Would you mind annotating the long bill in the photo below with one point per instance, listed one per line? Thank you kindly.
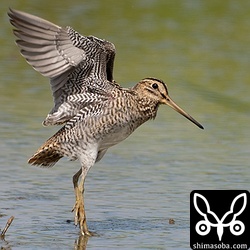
(168, 101)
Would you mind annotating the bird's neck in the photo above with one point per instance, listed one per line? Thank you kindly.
(147, 108)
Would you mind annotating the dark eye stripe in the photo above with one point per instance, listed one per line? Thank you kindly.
(163, 96)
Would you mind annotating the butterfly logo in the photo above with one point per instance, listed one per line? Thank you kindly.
(203, 227)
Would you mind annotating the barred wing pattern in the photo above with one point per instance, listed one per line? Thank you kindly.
(80, 68)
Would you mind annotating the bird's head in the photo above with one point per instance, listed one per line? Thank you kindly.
(156, 90)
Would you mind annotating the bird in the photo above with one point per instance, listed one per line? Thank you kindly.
(93, 110)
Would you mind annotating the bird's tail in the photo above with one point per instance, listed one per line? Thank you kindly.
(47, 155)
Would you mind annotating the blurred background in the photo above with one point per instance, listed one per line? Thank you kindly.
(200, 48)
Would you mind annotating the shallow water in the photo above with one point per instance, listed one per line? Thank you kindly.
(201, 50)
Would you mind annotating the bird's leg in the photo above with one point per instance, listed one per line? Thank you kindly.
(80, 217)
(78, 195)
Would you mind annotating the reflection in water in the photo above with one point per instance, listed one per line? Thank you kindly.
(81, 242)
(4, 245)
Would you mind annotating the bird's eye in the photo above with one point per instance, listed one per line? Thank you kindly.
(154, 85)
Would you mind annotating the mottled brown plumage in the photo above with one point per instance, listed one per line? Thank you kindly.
(97, 113)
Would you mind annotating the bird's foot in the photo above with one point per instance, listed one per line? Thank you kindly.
(80, 217)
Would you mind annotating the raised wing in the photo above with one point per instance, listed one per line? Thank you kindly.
(80, 68)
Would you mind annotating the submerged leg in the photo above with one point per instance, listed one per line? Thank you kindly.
(80, 216)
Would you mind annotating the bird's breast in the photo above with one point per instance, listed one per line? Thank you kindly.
(110, 124)
(117, 122)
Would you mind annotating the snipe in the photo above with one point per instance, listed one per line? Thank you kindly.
(97, 113)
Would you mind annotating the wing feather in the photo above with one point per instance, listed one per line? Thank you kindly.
(40, 40)
(70, 60)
